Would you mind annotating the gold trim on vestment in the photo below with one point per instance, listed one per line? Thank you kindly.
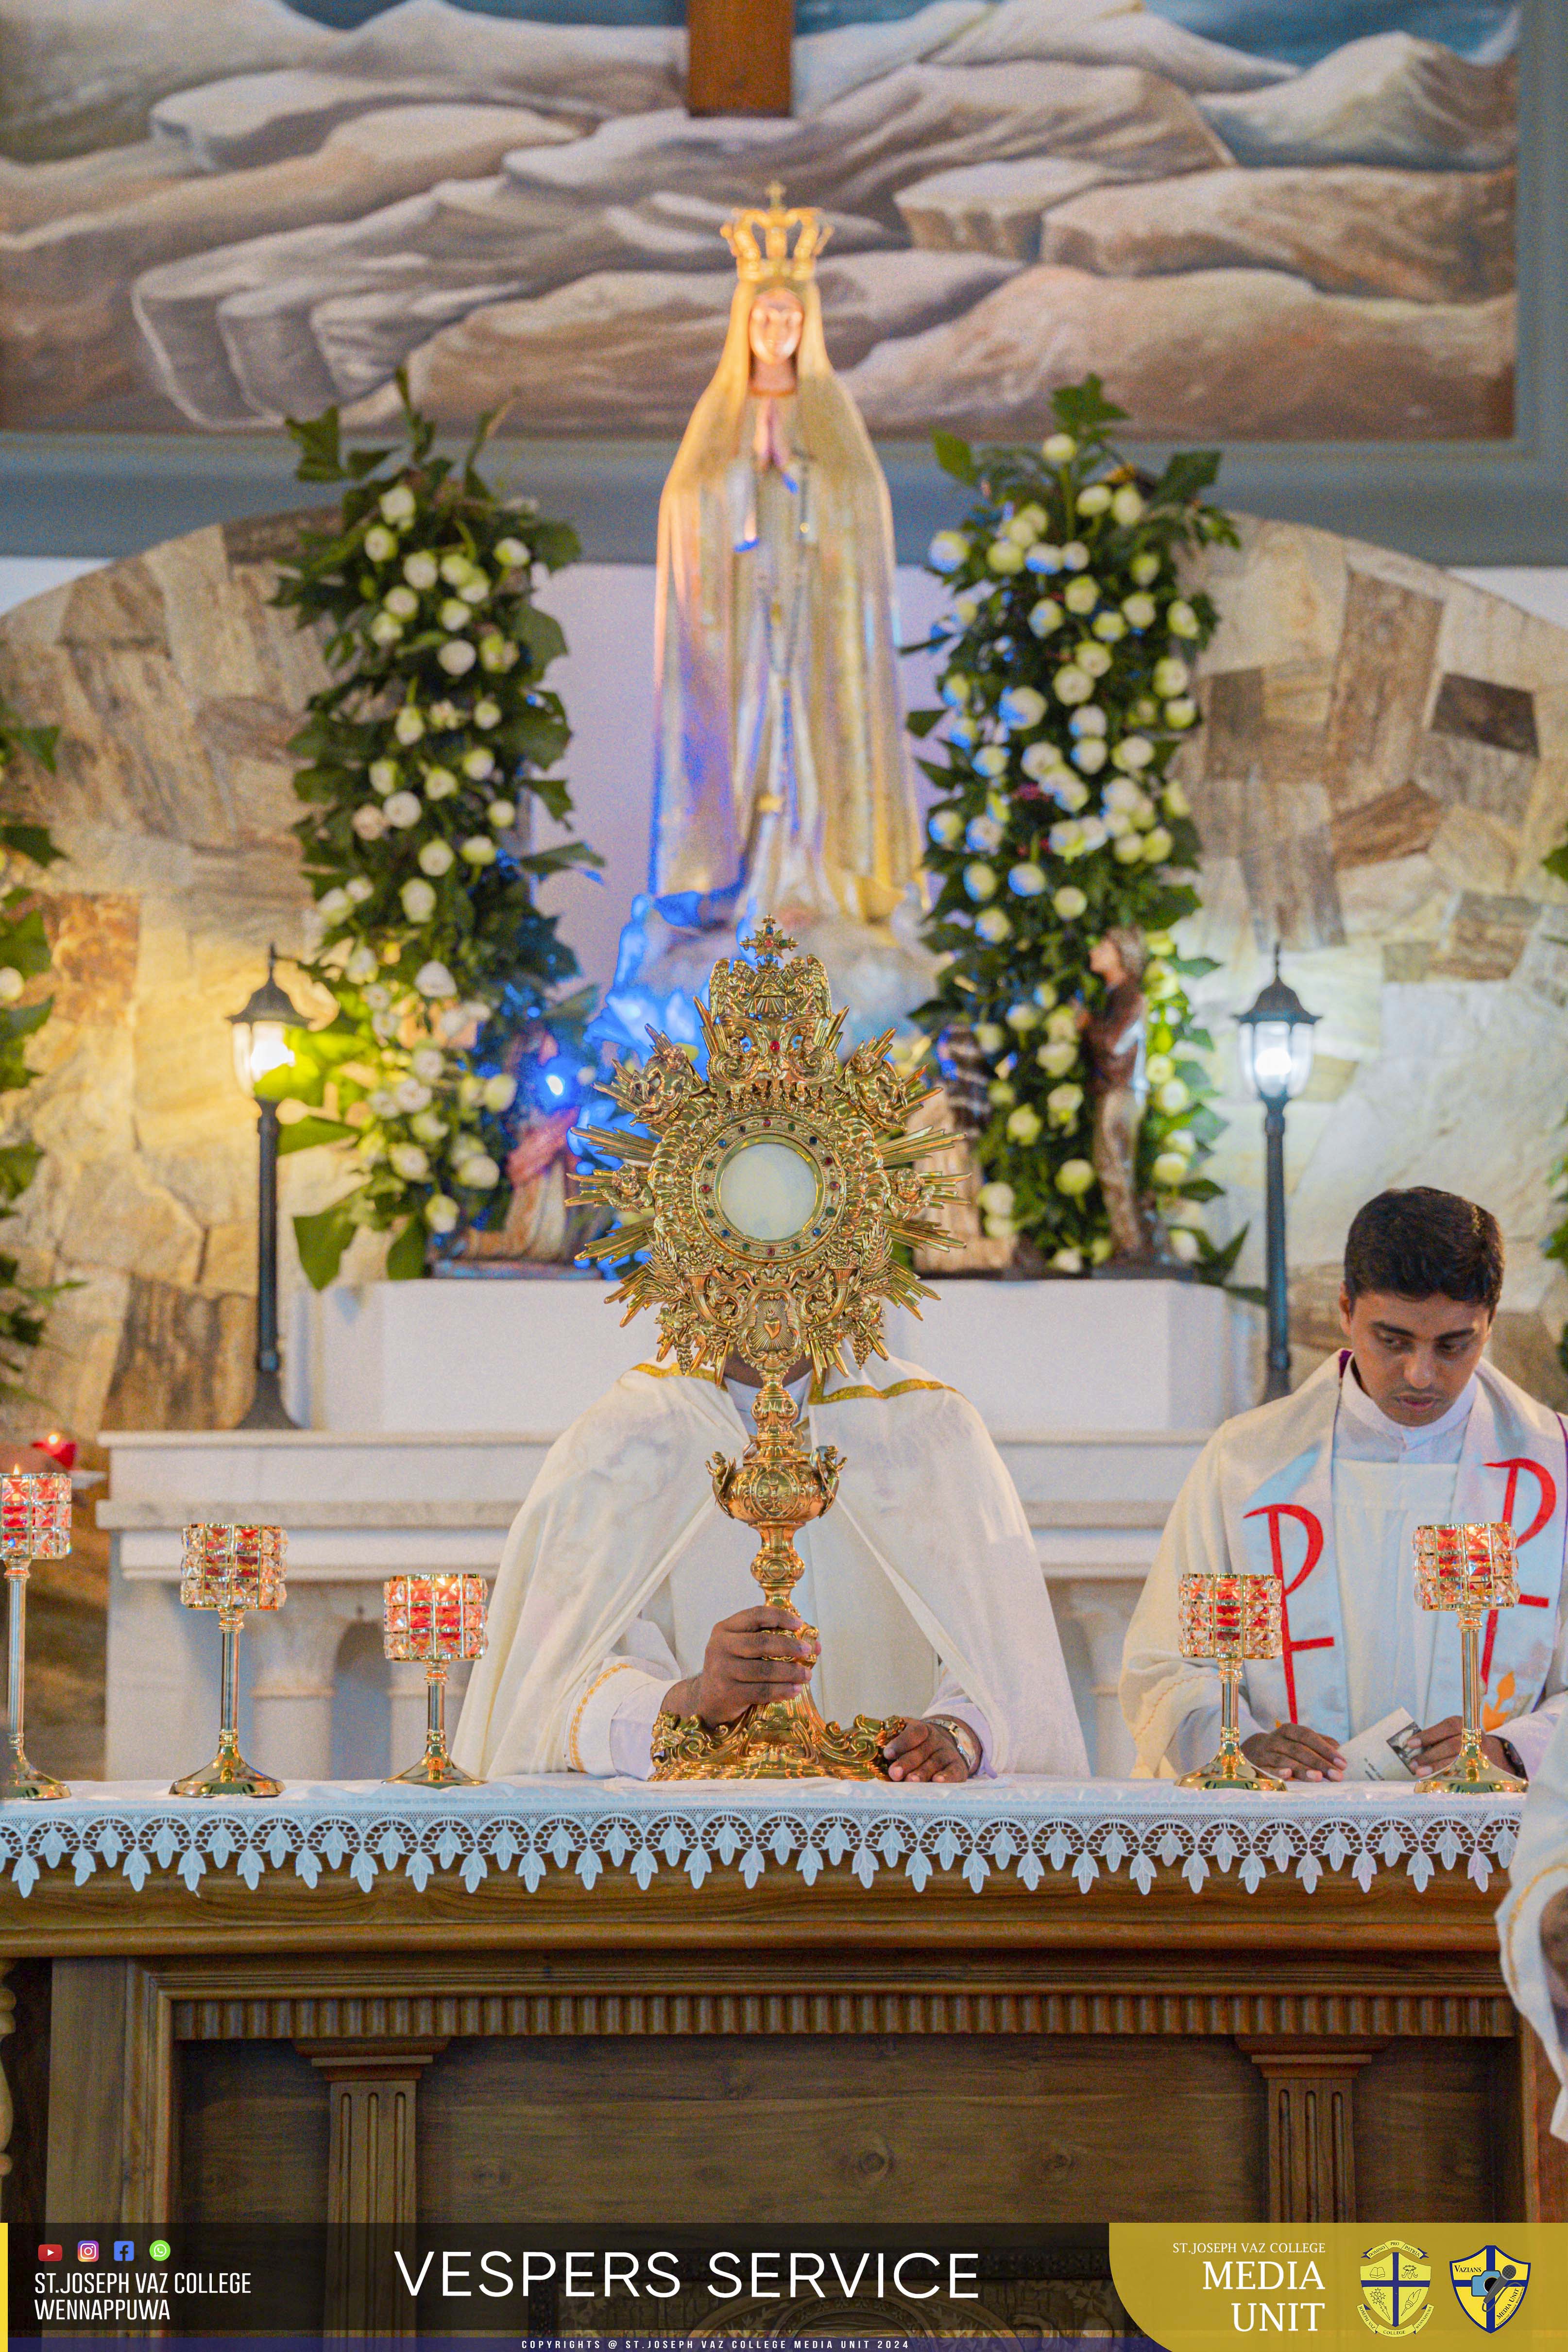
(621, 1667)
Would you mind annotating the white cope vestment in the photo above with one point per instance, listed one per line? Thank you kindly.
(924, 1576)
(1538, 1872)
(1323, 1491)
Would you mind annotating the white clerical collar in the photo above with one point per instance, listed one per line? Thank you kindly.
(1355, 1400)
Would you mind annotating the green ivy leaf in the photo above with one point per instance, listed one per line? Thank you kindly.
(953, 455)
(406, 1258)
(322, 1239)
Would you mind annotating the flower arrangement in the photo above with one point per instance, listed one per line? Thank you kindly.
(422, 760)
(1066, 685)
(24, 957)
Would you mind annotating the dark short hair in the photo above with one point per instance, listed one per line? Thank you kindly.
(1423, 1243)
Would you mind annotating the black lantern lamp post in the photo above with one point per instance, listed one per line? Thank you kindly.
(260, 1044)
(1276, 1050)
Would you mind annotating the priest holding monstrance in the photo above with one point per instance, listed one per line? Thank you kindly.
(1407, 1426)
(903, 1625)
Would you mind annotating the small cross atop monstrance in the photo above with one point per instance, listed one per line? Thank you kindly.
(766, 1202)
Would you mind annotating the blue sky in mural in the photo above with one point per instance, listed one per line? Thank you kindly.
(1296, 31)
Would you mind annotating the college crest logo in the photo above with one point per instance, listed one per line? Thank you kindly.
(1490, 2286)
(1396, 2283)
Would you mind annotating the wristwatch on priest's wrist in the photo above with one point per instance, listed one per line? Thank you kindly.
(1511, 1757)
(964, 1738)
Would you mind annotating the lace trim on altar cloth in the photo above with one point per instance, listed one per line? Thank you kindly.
(530, 1828)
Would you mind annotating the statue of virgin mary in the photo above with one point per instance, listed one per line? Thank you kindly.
(782, 783)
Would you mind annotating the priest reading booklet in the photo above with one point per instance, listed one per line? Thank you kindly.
(1533, 1922)
(624, 1590)
(1323, 1489)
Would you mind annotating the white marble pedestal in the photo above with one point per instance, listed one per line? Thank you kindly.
(435, 1404)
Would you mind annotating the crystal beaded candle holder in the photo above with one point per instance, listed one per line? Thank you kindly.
(428, 1621)
(1471, 1569)
(34, 1524)
(1223, 1621)
(232, 1570)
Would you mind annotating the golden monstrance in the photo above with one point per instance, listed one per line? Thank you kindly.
(765, 1202)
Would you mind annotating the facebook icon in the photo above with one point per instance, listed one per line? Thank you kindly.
(124, 2250)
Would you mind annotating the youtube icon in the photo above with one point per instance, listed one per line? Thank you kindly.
(51, 2254)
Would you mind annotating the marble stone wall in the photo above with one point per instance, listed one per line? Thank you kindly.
(1385, 763)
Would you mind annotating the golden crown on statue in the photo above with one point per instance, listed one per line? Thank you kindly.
(760, 241)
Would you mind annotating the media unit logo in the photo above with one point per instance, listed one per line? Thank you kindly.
(1490, 2286)
(1395, 2286)
(51, 2254)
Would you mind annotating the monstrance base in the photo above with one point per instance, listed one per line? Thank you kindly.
(1479, 1779)
(1231, 1770)
(783, 1739)
(229, 1775)
(25, 1781)
(435, 1770)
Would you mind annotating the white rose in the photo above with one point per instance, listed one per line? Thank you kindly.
(999, 1094)
(501, 813)
(1089, 755)
(480, 763)
(368, 820)
(1060, 449)
(1064, 1103)
(1082, 595)
(384, 776)
(1062, 1025)
(1169, 1167)
(1046, 616)
(441, 1212)
(999, 1229)
(1074, 1177)
(1171, 675)
(1022, 1017)
(1072, 683)
(500, 1092)
(1109, 627)
(1021, 706)
(478, 1173)
(11, 984)
(1174, 1098)
(1022, 530)
(1134, 751)
(403, 601)
(990, 1036)
(478, 850)
(386, 629)
(436, 858)
(487, 713)
(1144, 568)
(453, 614)
(428, 1127)
(429, 1063)
(1041, 761)
(1075, 556)
(455, 656)
(411, 1094)
(1127, 848)
(511, 552)
(419, 569)
(402, 810)
(1126, 507)
(334, 906)
(1067, 1261)
(1023, 1125)
(380, 544)
(956, 689)
(1093, 659)
(409, 1162)
(475, 588)
(378, 998)
(1181, 619)
(994, 925)
(1176, 801)
(1095, 500)
(1139, 611)
(408, 725)
(1069, 902)
(1027, 880)
(945, 827)
(1067, 839)
(1181, 712)
(1044, 557)
(434, 979)
(992, 759)
(1089, 720)
(495, 652)
(440, 783)
(1057, 1059)
(949, 552)
(384, 1103)
(1157, 845)
(980, 881)
(1004, 556)
(997, 1200)
(398, 504)
(1066, 791)
(455, 567)
(419, 900)
(1185, 1246)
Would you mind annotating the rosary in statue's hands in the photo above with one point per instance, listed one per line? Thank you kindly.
(761, 1654)
(1295, 1753)
(925, 1751)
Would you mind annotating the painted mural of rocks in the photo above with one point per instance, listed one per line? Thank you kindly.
(211, 218)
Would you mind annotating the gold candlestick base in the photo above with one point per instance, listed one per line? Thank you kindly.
(435, 1770)
(1230, 1770)
(783, 1739)
(25, 1781)
(1472, 1776)
(229, 1775)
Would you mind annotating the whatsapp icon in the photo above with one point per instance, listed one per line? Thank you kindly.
(159, 2251)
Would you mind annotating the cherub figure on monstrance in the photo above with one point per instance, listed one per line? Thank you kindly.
(764, 1203)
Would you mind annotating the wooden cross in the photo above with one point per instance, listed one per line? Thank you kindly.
(738, 56)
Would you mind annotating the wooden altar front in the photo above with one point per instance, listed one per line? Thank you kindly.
(603, 2050)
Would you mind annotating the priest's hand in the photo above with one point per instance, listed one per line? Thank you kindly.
(1291, 1752)
(924, 1751)
(1440, 1745)
(762, 1653)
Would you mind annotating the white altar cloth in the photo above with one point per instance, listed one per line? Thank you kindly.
(564, 1822)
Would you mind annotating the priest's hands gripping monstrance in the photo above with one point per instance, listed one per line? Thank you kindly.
(763, 1203)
